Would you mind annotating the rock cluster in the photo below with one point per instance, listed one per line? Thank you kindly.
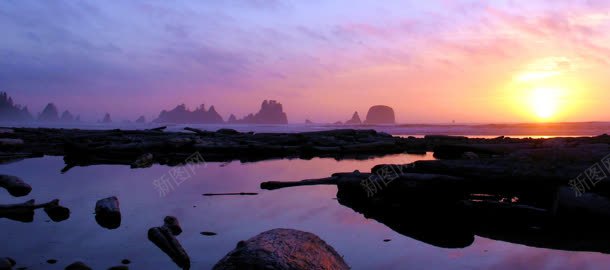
(12, 112)
(182, 115)
(271, 112)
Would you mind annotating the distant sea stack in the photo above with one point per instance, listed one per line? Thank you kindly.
(141, 120)
(355, 120)
(12, 112)
(107, 119)
(380, 114)
(66, 116)
(181, 115)
(271, 112)
(49, 114)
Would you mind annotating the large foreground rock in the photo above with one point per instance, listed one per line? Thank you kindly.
(282, 249)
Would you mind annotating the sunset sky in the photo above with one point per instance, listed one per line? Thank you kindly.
(432, 61)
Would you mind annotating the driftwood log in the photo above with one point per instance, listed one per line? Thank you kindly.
(164, 237)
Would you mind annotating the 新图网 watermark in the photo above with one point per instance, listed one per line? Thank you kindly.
(179, 174)
(590, 177)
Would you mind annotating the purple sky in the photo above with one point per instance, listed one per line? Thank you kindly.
(433, 61)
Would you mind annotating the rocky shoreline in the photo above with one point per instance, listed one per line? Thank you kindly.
(550, 193)
(142, 148)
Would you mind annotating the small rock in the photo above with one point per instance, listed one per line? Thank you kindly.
(52, 261)
(208, 233)
(6, 263)
(78, 266)
(387, 240)
(144, 161)
(57, 212)
(125, 261)
(14, 185)
(172, 224)
(108, 213)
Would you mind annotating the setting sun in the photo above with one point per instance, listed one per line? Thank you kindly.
(545, 102)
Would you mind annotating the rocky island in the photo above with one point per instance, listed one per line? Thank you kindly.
(271, 112)
(380, 114)
(182, 115)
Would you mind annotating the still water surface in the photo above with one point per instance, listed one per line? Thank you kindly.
(234, 218)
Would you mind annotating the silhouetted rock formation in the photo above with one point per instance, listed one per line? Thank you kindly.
(232, 119)
(282, 249)
(12, 112)
(107, 119)
(271, 112)
(380, 114)
(355, 120)
(141, 120)
(66, 116)
(181, 115)
(534, 193)
(307, 121)
(49, 114)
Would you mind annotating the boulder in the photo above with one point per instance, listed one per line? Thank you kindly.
(282, 249)
(380, 114)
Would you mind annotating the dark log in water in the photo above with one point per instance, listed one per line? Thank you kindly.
(271, 185)
(164, 238)
(14, 185)
(108, 213)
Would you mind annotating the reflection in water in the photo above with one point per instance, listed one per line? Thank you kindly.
(236, 218)
(24, 212)
(449, 214)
